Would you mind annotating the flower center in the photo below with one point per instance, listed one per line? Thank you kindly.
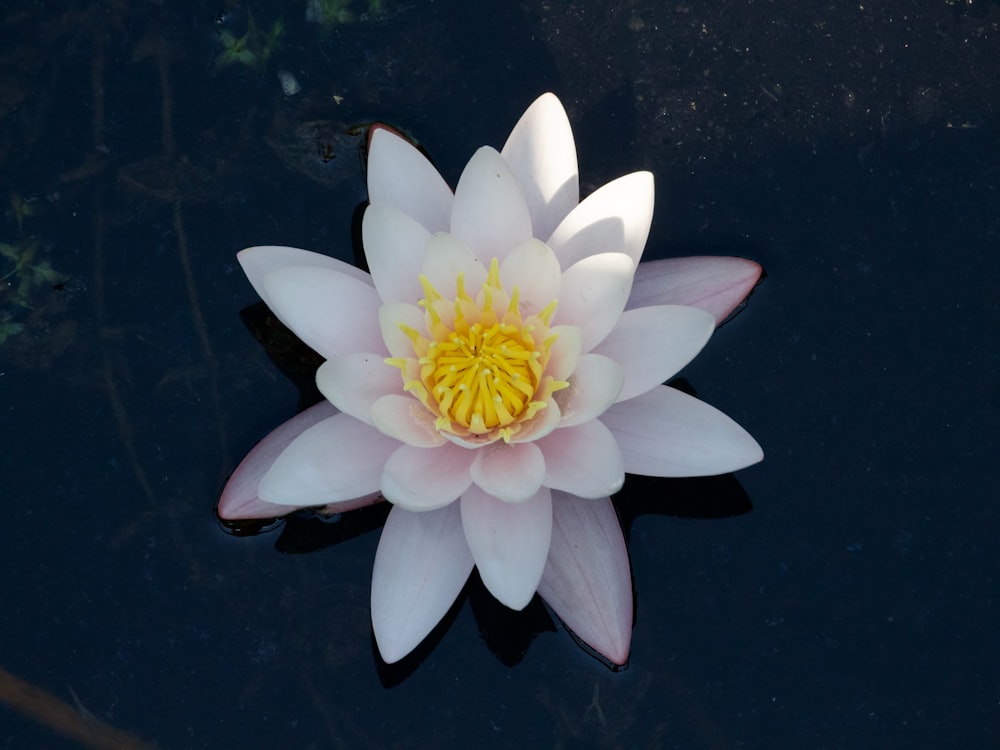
(481, 367)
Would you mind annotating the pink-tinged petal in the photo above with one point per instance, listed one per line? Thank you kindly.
(509, 542)
(336, 459)
(512, 472)
(390, 317)
(587, 581)
(259, 261)
(540, 425)
(489, 214)
(421, 565)
(407, 420)
(716, 285)
(652, 344)
(584, 460)
(666, 433)
(422, 479)
(402, 177)
(565, 351)
(593, 387)
(593, 295)
(542, 155)
(615, 218)
(330, 311)
(445, 259)
(531, 268)
(239, 499)
(394, 248)
(354, 382)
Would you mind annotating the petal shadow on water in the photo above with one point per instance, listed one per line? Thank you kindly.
(506, 632)
(691, 497)
(391, 675)
(306, 532)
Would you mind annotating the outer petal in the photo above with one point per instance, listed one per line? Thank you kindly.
(400, 176)
(421, 565)
(593, 295)
(427, 478)
(330, 311)
(717, 285)
(239, 499)
(653, 343)
(354, 382)
(593, 387)
(583, 460)
(542, 155)
(337, 459)
(261, 260)
(666, 433)
(532, 268)
(615, 218)
(394, 248)
(509, 542)
(512, 472)
(587, 580)
(489, 214)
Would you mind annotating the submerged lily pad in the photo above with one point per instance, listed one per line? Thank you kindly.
(327, 151)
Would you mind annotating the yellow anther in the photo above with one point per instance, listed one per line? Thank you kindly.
(481, 374)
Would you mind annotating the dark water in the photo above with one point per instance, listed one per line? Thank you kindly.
(855, 153)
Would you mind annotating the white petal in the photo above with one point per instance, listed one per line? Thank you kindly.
(542, 156)
(393, 314)
(337, 459)
(593, 387)
(587, 580)
(509, 542)
(259, 261)
(407, 420)
(615, 218)
(565, 351)
(446, 258)
(584, 460)
(652, 344)
(421, 565)
(489, 214)
(330, 311)
(427, 478)
(512, 472)
(716, 285)
(593, 295)
(532, 268)
(666, 433)
(400, 176)
(354, 382)
(394, 248)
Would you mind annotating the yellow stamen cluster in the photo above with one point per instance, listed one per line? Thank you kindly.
(481, 367)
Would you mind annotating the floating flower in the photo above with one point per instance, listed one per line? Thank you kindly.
(494, 378)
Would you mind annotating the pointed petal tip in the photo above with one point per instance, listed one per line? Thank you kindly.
(421, 565)
(587, 580)
(667, 433)
(235, 507)
(509, 542)
(717, 285)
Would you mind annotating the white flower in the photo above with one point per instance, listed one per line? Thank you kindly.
(494, 378)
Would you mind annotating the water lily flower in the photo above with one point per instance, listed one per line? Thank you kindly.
(494, 378)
